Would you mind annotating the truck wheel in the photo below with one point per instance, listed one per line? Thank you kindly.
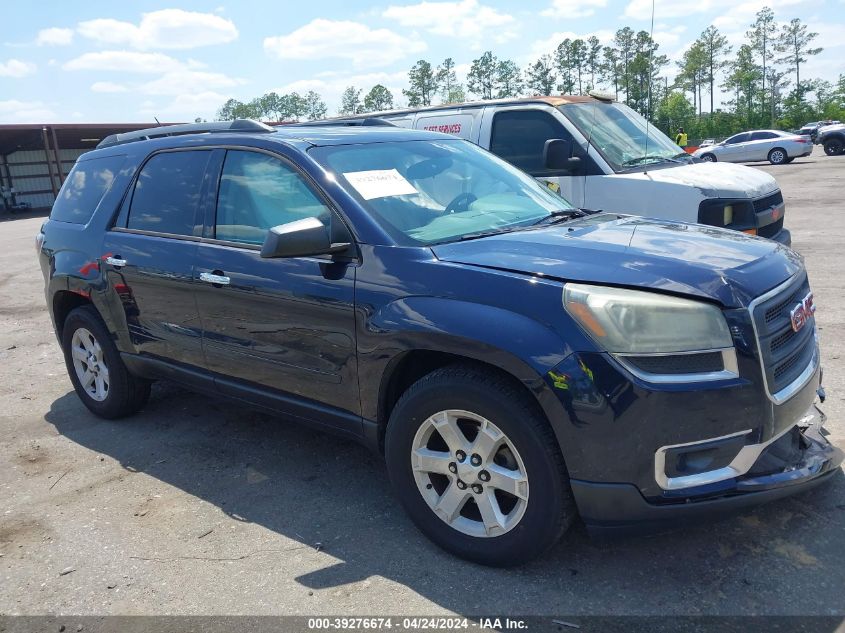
(708, 158)
(833, 146)
(477, 467)
(777, 156)
(96, 370)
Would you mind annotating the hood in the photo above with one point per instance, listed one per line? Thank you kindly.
(714, 180)
(836, 127)
(689, 259)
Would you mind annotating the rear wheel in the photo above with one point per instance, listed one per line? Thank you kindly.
(778, 156)
(477, 467)
(708, 158)
(834, 146)
(98, 374)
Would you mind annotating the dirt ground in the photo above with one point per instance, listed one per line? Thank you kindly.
(198, 506)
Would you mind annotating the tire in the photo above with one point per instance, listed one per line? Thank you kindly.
(114, 392)
(708, 157)
(778, 156)
(528, 456)
(834, 146)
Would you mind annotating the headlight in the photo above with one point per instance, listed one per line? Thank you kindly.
(634, 322)
(734, 214)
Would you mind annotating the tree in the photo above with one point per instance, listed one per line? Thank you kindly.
(563, 63)
(422, 84)
(350, 101)
(482, 76)
(292, 107)
(610, 67)
(743, 80)
(794, 42)
(447, 82)
(540, 76)
(692, 70)
(508, 79)
(315, 108)
(594, 51)
(643, 70)
(579, 54)
(378, 98)
(762, 33)
(714, 47)
(675, 111)
(624, 41)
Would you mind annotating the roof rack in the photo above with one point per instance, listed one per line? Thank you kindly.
(238, 125)
(366, 121)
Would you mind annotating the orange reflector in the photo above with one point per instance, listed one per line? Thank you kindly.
(587, 319)
(750, 231)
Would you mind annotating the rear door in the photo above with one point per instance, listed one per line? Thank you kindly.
(282, 328)
(759, 145)
(149, 263)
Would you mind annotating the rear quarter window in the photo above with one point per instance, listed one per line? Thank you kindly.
(84, 189)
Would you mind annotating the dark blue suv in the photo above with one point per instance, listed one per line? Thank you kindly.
(518, 362)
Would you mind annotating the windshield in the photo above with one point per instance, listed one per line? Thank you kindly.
(619, 134)
(426, 192)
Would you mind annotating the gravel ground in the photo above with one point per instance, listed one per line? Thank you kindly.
(198, 506)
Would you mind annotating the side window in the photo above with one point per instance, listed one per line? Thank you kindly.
(737, 138)
(520, 135)
(167, 193)
(762, 136)
(258, 192)
(84, 188)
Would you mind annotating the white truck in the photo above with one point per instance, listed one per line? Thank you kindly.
(600, 154)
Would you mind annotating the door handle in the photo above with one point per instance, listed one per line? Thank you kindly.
(116, 261)
(217, 280)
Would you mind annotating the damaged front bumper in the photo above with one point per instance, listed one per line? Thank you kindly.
(799, 459)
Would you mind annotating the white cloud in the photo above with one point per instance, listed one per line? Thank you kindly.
(185, 107)
(165, 29)
(468, 20)
(108, 87)
(54, 37)
(16, 69)
(570, 9)
(363, 46)
(181, 82)
(25, 111)
(124, 61)
(669, 36)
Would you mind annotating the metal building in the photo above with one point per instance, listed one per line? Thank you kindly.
(35, 159)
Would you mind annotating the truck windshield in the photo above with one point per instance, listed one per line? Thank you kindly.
(619, 134)
(427, 192)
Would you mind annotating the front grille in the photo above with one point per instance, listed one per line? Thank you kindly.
(763, 204)
(784, 353)
(770, 230)
(679, 364)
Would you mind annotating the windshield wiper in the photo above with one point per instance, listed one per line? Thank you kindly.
(560, 215)
(480, 234)
(654, 157)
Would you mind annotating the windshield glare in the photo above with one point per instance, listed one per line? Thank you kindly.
(426, 192)
(619, 133)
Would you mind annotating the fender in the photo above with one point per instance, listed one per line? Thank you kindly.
(515, 343)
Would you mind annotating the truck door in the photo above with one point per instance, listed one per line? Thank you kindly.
(519, 135)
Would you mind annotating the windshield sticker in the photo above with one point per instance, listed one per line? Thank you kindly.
(379, 183)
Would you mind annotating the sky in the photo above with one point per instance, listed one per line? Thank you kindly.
(176, 60)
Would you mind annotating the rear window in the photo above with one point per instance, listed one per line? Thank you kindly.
(167, 193)
(84, 188)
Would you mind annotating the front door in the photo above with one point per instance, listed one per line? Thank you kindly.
(284, 327)
(149, 258)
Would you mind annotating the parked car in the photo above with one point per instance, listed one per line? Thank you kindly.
(516, 360)
(772, 145)
(707, 142)
(832, 138)
(612, 160)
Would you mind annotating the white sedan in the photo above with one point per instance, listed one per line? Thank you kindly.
(772, 145)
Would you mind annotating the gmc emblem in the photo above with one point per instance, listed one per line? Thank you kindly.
(802, 313)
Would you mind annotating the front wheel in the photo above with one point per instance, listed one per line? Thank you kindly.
(778, 156)
(477, 467)
(708, 158)
(98, 374)
(834, 146)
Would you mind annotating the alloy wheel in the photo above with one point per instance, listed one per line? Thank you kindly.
(469, 473)
(89, 364)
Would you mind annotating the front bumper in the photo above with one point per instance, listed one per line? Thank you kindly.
(783, 237)
(801, 460)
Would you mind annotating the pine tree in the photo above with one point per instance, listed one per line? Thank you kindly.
(482, 76)
(715, 47)
(422, 84)
(540, 76)
(350, 101)
(447, 82)
(509, 81)
(794, 42)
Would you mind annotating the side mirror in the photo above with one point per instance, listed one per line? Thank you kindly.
(301, 238)
(557, 156)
